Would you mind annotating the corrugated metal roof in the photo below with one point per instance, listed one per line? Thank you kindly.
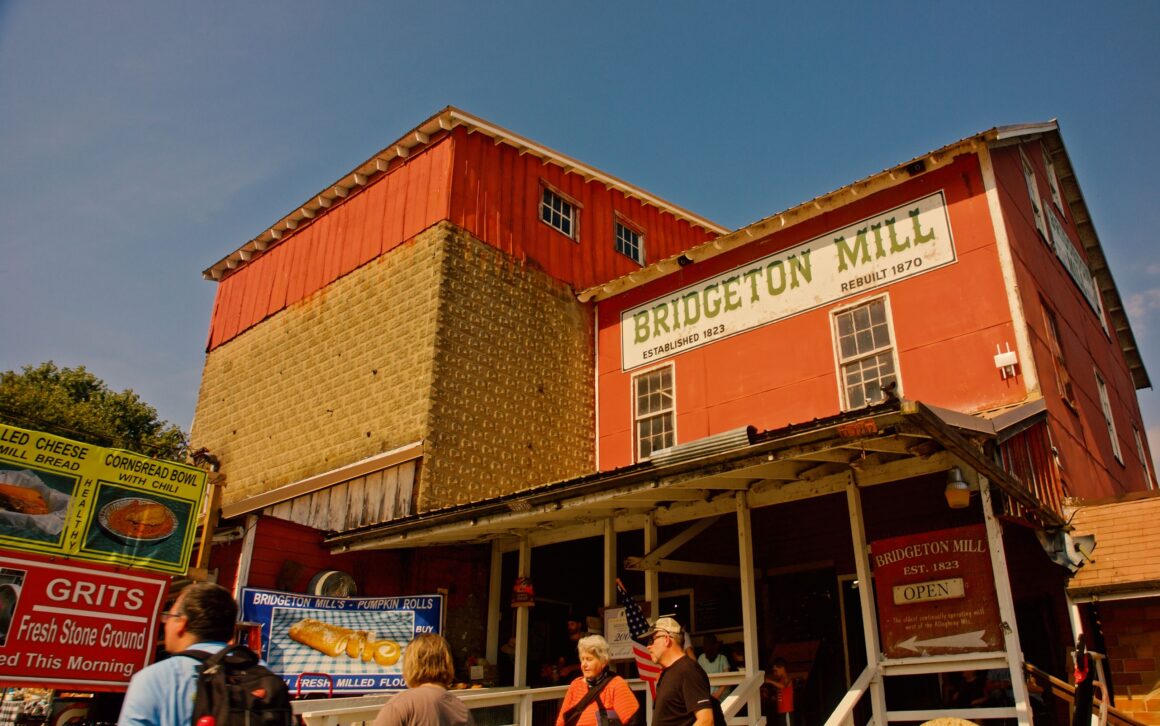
(889, 442)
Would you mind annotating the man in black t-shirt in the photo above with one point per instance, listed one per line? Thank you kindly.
(683, 697)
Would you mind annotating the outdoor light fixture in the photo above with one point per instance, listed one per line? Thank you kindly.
(958, 492)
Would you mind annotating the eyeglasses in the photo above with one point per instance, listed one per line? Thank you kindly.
(659, 635)
(166, 617)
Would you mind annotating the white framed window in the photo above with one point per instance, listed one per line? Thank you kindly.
(864, 342)
(559, 211)
(1143, 458)
(1053, 183)
(1033, 192)
(1106, 406)
(654, 411)
(629, 240)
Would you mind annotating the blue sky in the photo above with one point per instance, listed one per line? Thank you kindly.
(142, 141)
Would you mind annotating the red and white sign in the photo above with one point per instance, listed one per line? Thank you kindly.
(936, 593)
(77, 627)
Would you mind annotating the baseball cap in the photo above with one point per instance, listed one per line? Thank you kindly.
(664, 624)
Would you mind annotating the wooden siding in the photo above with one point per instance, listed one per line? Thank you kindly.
(948, 319)
(495, 195)
(489, 189)
(1080, 434)
(410, 197)
(372, 499)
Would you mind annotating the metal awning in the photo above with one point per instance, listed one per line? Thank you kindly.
(893, 441)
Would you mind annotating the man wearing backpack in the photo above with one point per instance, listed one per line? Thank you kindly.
(199, 625)
(682, 696)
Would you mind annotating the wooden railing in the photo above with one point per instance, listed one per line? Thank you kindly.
(1053, 687)
(521, 701)
(843, 715)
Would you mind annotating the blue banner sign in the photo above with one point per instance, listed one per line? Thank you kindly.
(339, 644)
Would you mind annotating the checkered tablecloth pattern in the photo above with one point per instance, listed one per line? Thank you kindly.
(10, 710)
(288, 656)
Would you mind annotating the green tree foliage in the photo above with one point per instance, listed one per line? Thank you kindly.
(75, 404)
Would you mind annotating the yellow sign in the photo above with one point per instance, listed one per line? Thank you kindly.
(929, 591)
(64, 497)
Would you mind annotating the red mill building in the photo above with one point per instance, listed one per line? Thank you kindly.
(474, 358)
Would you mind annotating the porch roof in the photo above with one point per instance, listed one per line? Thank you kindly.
(1124, 562)
(892, 441)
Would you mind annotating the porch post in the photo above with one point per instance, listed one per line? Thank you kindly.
(1006, 605)
(866, 598)
(494, 613)
(609, 562)
(522, 617)
(652, 595)
(748, 598)
(651, 577)
(246, 558)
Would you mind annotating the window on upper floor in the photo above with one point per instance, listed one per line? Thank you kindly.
(866, 353)
(1053, 183)
(1062, 377)
(1106, 406)
(629, 240)
(1033, 192)
(654, 411)
(559, 212)
(1143, 458)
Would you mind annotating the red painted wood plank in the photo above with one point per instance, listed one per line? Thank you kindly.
(230, 304)
(459, 181)
(325, 249)
(439, 198)
(372, 241)
(396, 201)
(356, 230)
(473, 194)
(506, 213)
(418, 172)
(311, 260)
(294, 270)
(213, 335)
(257, 293)
(279, 257)
(489, 198)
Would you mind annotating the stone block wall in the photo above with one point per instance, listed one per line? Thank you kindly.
(512, 401)
(444, 339)
(336, 378)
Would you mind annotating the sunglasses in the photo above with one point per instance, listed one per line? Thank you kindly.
(659, 635)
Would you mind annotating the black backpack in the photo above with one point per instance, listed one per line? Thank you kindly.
(235, 688)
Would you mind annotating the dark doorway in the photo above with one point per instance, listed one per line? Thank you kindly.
(802, 624)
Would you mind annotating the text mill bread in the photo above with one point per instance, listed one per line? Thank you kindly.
(335, 640)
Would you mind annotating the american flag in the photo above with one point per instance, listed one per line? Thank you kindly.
(637, 626)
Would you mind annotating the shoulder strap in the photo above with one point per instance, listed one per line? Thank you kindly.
(572, 715)
(209, 659)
